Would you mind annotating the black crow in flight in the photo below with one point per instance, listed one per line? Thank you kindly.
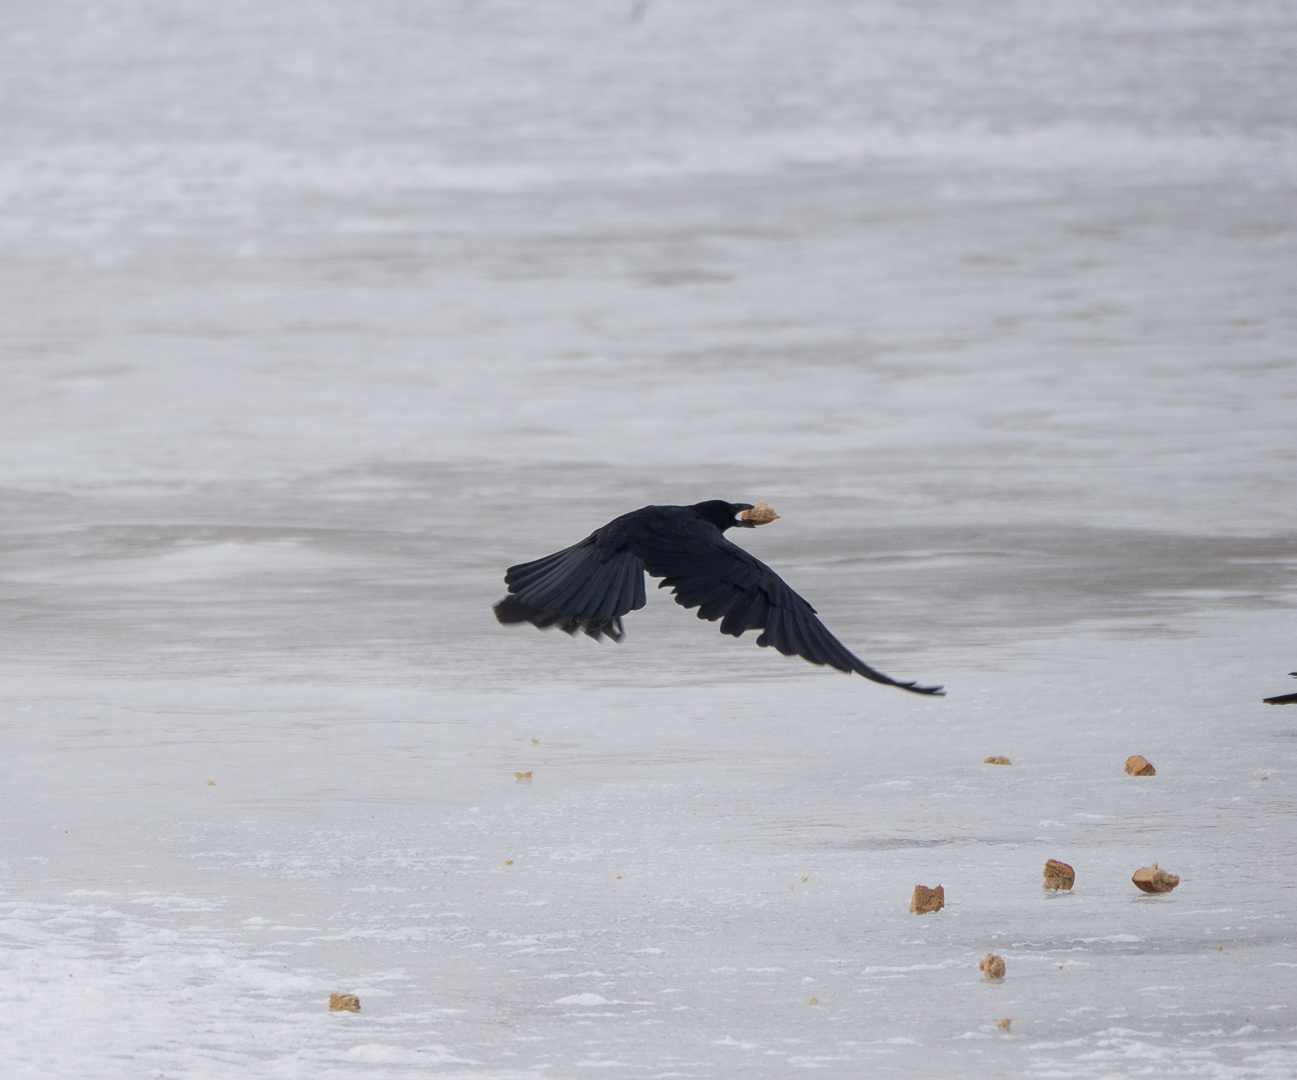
(1283, 699)
(591, 585)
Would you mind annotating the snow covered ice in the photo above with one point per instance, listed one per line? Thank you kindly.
(317, 317)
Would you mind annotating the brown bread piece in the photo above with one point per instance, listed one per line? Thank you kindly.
(344, 1002)
(1150, 879)
(1138, 765)
(926, 901)
(992, 967)
(996, 759)
(760, 514)
(1058, 875)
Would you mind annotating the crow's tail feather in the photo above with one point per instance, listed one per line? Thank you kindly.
(511, 610)
(579, 589)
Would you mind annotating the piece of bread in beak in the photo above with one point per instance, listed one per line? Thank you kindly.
(760, 514)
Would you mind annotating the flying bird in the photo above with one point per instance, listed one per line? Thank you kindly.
(589, 586)
(1282, 699)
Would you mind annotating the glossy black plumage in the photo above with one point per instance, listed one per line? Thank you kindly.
(589, 587)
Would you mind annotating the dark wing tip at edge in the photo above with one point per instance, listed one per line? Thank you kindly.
(913, 687)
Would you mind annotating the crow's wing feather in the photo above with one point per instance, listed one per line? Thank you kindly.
(725, 582)
(582, 588)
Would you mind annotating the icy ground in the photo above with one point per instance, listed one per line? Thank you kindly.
(315, 317)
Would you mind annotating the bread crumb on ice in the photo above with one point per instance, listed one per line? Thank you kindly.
(1058, 875)
(926, 901)
(1151, 879)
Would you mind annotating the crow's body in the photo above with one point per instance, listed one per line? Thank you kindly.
(591, 585)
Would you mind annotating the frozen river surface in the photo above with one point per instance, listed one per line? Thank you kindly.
(317, 316)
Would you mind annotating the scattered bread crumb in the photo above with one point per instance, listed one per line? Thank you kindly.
(805, 879)
(619, 877)
(1265, 778)
(925, 901)
(1220, 948)
(508, 862)
(760, 514)
(992, 967)
(1003, 1025)
(1138, 765)
(813, 1001)
(1150, 879)
(535, 740)
(1058, 875)
(211, 783)
(996, 759)
(523, 775)
(344, 1002)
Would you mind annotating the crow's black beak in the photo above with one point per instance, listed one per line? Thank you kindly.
(741, 522)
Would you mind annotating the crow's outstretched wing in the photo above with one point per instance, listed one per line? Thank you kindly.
(587, 587)
(725, 582)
